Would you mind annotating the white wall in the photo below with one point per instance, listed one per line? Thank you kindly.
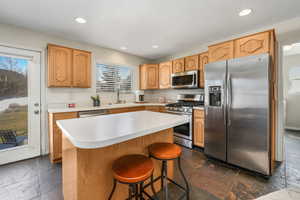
(54, 97)
(291, 91)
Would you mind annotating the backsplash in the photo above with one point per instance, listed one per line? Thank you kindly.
(82, 97)
(169, 94)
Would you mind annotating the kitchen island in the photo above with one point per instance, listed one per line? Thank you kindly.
(90, 145)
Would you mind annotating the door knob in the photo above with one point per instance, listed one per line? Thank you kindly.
(36, 104)
(36, 112)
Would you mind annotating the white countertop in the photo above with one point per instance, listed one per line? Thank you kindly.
(199, 107)
(113, 106)
(105, 130)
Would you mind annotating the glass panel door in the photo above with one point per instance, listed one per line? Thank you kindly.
(19, 104)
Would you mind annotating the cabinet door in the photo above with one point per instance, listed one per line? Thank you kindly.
(59, 66)
(203, 60)
(143, 77)
(55, 135)
(152, 76)
(191, 63)
(223, 51)
(199, 128)
(81, 69)
(165, 71)
(178, 65)
(252, 45)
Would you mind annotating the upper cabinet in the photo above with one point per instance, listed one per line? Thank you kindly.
(81, 69)
(178, 65)
(165, 71)
(251, 45)
(222, 51)
(68, 67)
(203, 60)
(149, 76)
(191, 63)
(59, 66)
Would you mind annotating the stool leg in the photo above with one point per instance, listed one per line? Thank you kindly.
(166, 181)
(130, 191)
(162, 175)
(136, 191)
(141, 191)
(153, 190)
(184, 178)
(113, 190)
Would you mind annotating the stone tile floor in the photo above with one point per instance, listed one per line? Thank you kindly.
(37, 179)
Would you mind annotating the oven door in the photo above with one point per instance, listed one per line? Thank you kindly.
(184, 130)
(185, 80)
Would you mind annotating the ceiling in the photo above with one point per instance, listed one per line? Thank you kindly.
(174, 25)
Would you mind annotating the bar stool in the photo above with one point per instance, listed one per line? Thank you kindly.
(133, 170)
(166, 152)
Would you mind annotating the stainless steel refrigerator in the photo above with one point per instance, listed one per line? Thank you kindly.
(237, 112)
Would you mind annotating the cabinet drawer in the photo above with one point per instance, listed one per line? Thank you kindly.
(123, 110)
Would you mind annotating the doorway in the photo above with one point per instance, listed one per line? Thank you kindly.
(20, 98)
(291, 95)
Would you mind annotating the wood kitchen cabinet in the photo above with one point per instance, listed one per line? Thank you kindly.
(149, 76)
(198, 128)
(165, 71)
(127, 109)
(222, 51)
(203, 60)
(55, 134)
(191, 63)
(252, 45)
(156, 108)
(68, 67)
(178, 65)
(59, 66)
(81, 69)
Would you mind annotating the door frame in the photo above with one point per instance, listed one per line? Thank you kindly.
(40, 61)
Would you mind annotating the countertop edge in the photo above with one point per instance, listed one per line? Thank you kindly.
(114, 106)
(112, 141)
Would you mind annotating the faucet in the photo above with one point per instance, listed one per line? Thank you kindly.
(118, 96)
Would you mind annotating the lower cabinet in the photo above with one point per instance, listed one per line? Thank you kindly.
(198, 138)
(55, 135)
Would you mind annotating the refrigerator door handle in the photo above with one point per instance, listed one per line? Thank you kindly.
(229, 98)
(223, 104)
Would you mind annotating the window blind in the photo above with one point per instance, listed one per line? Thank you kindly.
(111, 77)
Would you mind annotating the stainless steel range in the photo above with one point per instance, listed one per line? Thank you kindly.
(184, 106)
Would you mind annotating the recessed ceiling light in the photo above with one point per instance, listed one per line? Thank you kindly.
(245, 12)
(80, 20)
(155, 46)
(123, 48)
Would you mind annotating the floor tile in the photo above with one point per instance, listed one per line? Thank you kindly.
(38, 179)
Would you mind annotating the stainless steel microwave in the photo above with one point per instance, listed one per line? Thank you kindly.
(187, 79)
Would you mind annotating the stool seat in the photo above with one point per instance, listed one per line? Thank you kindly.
(132, 168)
(165, 151)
